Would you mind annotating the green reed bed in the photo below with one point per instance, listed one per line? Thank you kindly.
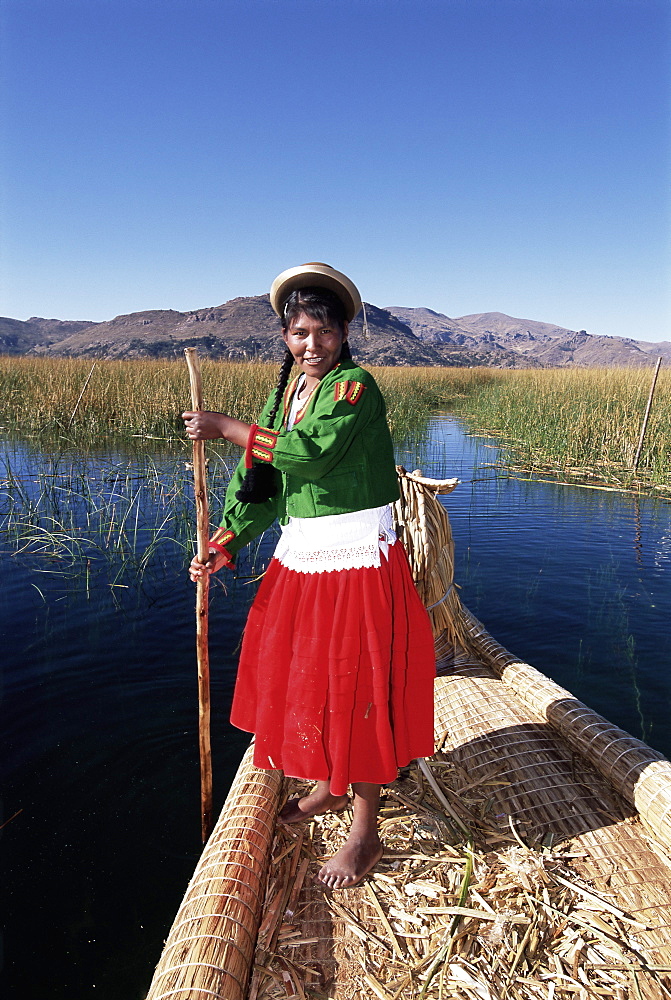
(52, 397)
(121, 398)
(413, 394)
(578, 423)
(75, 511)
(73, 514)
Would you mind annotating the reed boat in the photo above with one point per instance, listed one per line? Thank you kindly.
(529, 857)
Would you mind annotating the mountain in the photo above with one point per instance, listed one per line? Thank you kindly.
(239, 329)
(23, 336)
(247, 327)
(532, 343)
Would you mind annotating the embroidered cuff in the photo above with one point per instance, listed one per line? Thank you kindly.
(222, 536)
(219, 541)
(260, 444)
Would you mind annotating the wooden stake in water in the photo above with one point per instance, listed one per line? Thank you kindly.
(644, 425)
(202, 595)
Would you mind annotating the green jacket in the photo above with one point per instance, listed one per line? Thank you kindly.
(337, 458)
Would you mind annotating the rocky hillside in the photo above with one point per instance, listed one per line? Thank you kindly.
(246, 328)
(531, 342)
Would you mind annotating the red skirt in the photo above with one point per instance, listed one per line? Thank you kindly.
(336, 673)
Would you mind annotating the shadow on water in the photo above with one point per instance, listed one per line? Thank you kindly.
(101, 780)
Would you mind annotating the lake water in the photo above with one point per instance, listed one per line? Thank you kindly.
(101, 785)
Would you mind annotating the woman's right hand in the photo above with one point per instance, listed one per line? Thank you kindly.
(205, 425)
(214, 563)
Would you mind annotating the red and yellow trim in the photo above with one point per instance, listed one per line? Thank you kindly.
(222, 536)
(260, 444)
(219, 540)
(351, 391)
(303, 410)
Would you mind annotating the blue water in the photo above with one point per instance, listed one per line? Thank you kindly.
(100, 748)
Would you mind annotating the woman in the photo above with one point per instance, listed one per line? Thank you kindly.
(337, 664)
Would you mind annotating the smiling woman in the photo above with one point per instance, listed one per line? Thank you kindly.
(337, 627)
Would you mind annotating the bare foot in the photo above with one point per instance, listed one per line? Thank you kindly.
(318, 802)
(351, 863)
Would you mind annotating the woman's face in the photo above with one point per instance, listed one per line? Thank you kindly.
(316, 348)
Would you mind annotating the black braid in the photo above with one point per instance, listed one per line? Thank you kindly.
(282, 382)
(259, 483)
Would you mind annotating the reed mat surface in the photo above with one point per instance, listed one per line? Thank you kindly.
(522, 876)
(640, 774)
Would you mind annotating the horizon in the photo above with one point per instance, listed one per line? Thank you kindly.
(462, 156)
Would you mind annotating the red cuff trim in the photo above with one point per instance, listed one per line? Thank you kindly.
(219, 541)
(228, 558)
(222, 536)
(260, 445)
(250, 444)
(265, 437)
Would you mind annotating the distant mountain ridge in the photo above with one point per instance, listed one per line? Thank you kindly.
(247, 327)
(534, 342)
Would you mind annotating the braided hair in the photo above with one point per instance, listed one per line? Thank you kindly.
(321, 304)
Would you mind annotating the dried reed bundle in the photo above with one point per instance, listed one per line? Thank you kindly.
(423, 526)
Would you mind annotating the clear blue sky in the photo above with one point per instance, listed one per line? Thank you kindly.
(465, 155)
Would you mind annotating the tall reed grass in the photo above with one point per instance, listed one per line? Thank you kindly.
(578, 421)
(114, 515)
(41, 396)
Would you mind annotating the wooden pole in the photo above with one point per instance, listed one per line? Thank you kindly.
(202, 595)
(644, 425)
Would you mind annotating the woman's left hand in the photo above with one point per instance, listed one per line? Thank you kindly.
(204, 425)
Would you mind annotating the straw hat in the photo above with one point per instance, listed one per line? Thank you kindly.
(315, 275)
